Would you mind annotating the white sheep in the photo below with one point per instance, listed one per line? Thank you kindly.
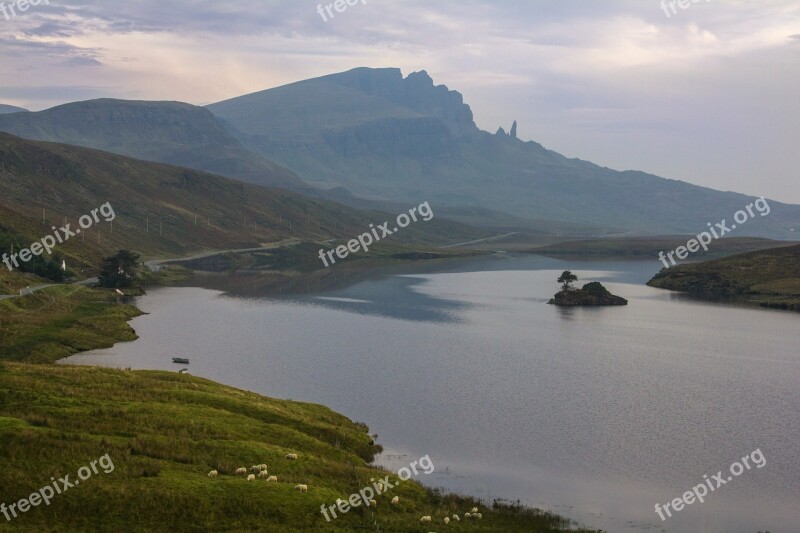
(291, 456)
(373, 503)
(425, 518)
(395, 500)
(474, 510)
(446, 520)
(477, 516)
(213, 473)
(301, 488)
(272, 479)
(467, 515)
(251, 477)
(241, 470)
(456, 518)
(263, 474)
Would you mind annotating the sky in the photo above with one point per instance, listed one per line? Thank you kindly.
(708, 93)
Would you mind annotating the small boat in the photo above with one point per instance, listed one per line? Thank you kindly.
(180, 361)
(183, 371)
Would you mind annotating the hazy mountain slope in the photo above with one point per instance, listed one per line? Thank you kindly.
(386, 137)
(168, 211)
(10, 109)
(167, 132)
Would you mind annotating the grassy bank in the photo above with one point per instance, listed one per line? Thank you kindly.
(165, 432)
(59, 321)
(770, 278)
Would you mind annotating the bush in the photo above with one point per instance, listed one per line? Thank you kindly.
(595, 287)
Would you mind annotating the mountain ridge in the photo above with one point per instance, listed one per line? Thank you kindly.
(382, 136)
(167, 132)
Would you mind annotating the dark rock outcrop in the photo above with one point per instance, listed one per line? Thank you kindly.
(592, 294)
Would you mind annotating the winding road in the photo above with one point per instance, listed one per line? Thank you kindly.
(153, 265)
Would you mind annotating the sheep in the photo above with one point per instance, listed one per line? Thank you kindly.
(474, 510)
(446, 520)
(241, 470)
(477, 516)
(251, 477)
(258, 468)
(272, 479)
(395, 500)
(301, 488)
(456, 518)
(425, 518)
(291, 456)
(467, 515)
(263, 474)
(373, 503)
(213, 473)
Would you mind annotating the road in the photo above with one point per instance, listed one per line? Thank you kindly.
(481, 240)
(155, 264)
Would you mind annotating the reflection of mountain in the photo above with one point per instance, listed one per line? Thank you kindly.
(363, 291)
(380, 298)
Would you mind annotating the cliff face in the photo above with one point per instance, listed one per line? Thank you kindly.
(386, 137)
(413, 137)
(416, 92)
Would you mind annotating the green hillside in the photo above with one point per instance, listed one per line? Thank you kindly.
(160, 434)
(166, 132)
(770, 278)
(164, 211)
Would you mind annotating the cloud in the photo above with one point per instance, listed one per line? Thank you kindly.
(613, 81)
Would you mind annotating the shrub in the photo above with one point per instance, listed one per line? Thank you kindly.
(595, 287)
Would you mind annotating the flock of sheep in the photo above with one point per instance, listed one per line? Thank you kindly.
(261, 472)
(473, 514)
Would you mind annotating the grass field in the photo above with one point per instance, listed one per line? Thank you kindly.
(164, 432)
(60, 321)
(770, 278)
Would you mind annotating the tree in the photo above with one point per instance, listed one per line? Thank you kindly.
(119, 270)
(595, 287)
(567, 278)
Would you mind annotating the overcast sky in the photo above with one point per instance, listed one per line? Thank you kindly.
(709, 95)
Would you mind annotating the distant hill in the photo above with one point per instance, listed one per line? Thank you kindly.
(387, 137)
(168, 211)
(770, 278)
(651, 246)
(10, 109)
(166, 132)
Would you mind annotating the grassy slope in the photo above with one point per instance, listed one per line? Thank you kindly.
(60, 321)
(69, 182)
(167, 132)
(165, 431)
(768, 277)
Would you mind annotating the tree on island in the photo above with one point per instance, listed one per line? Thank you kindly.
(119, 270)
(595, 287)
(567, 278)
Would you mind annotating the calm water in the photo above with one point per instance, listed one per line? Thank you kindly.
(596, 414)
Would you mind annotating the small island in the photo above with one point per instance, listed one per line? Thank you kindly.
(592, 294)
